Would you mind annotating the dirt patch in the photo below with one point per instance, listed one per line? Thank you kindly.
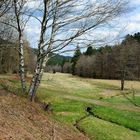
(66, 113)
(17, 78)
(23, 120)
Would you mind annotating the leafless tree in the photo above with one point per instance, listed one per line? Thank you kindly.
(89, 62)
(16, 18)
(65, 22)
(67, 67)
(18, 6)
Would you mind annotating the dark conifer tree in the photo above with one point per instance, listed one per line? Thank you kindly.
(75, 59)
(89, 51)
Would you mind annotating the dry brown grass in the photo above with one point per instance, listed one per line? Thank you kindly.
(90, 87)
(23, 120)
(128, 84)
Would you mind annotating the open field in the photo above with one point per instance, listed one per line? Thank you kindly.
(71, 87)
(114, 115)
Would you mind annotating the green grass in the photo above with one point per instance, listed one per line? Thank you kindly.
(123, 100)
(0, 87)
(127, 119)
(98, 129)
(68, 111)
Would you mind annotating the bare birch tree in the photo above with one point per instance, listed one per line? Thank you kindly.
(16, 18)
(65, 22)
(18, 7)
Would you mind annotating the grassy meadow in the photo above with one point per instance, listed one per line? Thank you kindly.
(114, 114)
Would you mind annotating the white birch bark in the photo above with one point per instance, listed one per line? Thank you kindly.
(41, 58)
(37, 77)
(21, 64)
(21, 51)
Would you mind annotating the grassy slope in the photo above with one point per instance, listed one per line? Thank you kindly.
(23, 120)
(103, 130)
(125, 118)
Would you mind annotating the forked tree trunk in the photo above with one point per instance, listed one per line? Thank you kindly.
(21, 64)
(41, 64)
(41, 58)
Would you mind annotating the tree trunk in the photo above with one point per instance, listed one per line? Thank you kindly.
(21, 64)
(122, 80)
(41, 57)
(122, 84)
(37, 77)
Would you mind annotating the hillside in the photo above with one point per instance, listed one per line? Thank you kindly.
(58, 60)
(22, 120)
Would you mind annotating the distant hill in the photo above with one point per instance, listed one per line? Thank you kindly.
(57, 59)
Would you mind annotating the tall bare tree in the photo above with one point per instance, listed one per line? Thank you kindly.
(16, 18)
(64, 22)
(18, 7)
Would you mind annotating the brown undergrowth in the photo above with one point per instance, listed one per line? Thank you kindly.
(22, 120)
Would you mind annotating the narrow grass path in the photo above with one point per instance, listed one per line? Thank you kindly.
(99, 102)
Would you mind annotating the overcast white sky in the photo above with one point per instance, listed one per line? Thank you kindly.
(129, 23)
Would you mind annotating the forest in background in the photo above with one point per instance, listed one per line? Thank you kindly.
(108, 62)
